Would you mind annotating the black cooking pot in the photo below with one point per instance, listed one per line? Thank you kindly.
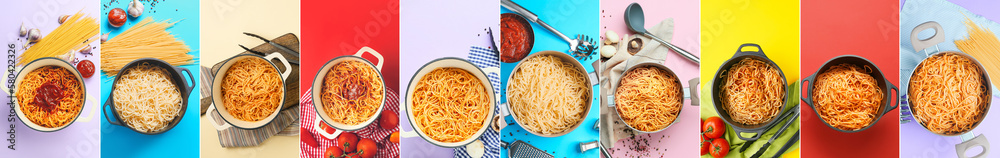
(740, 128)
(876, 73)
(175, 75)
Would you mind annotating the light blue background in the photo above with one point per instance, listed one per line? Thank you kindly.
(182, 140)
(571, 18)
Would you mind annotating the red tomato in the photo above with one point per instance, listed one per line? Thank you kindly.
(348, 142)
(720, 148)
(389, 120)
(367, 148)
(333, 152)
(86, 68)
(705, 144)
(116, 17)
(714, 127)
(394, 137)
(307, 138)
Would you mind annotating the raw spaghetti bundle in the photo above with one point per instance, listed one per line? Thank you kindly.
(50, 96)
(352, 92)
(754, 92)
(948, 93)
(252, 89)
(450, 104)
(146, 98)
(648, 98)
(75, 33)
(983, 45)
(847, 96)
(548, 95)
(146, 39)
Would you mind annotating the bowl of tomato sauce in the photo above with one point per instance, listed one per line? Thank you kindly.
(516, 37)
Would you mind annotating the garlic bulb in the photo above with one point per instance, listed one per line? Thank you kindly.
(34, 35)
(135, 8)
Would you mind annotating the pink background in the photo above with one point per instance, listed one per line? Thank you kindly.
(681, 138)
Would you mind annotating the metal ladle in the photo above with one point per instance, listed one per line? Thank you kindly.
(635, 19)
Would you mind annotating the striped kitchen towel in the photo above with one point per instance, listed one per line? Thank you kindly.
(486, 58)
(236, 137)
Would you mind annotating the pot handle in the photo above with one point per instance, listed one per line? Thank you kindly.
(919, 44)
(757, 133)
(760, 51)
(220, 127)
(894, 89)
(187, 87)
(106, 105)
(374, 53)
(322, 132)
(979, 140)
(807, 97)
(288, 67)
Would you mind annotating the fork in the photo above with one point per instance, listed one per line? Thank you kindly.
(582, 47)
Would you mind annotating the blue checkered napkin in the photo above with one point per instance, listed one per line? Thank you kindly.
(486, 58)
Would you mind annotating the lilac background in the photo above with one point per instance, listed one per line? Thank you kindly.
(79, 139)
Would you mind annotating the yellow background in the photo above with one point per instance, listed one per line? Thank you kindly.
(222, 25)
(725, 25)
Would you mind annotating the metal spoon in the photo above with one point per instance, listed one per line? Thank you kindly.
(635, 19)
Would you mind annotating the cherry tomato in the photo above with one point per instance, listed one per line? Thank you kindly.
(367, 148)
(333, 152)
(394, 137)
(116, 17)
(86, 68)
(705, 144)
(714, 127)
(720, 148)
(348, 142)
(389, 120)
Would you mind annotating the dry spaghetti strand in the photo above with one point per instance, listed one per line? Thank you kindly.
(252, 89)
(648, 98)
(146, 39)
(70, 103)
(548, 95)
(847, 97)
(947, 92)
(75, 33)
(450, 104)
(754, 92)
(983, 45)
(352, 92)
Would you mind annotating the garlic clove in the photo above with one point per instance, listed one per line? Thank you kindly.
(86, 50)
(24, 31)
(104, 38)
(63, 18)
(135, 8)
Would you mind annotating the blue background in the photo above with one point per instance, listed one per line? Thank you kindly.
(570, 18)
(182, 140)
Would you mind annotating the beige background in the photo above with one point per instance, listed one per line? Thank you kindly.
(222, 25)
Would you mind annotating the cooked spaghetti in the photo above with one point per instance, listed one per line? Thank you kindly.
(983, 45)
(146, 39)
(251, 89)
(948, 94)
(547, 95)
(847, 97)
(753, 93)
(648, 98)
(146, 98)
(450, 104)
(72, 35)
(50, 96)
(352, 92)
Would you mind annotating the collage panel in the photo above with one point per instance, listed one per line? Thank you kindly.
(849, 83)
(946, 58)
(646, 85)
(550, 55)
(450, 79)
(350, 80)
(750, 75)
(250, 80)
(52, 53)
(149, 79)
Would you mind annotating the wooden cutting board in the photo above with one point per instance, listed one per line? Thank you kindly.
(291, 41)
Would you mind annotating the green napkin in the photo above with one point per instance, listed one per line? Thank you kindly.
(708, 110)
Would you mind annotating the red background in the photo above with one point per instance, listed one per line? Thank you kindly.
(869, 29)
(330, 29)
